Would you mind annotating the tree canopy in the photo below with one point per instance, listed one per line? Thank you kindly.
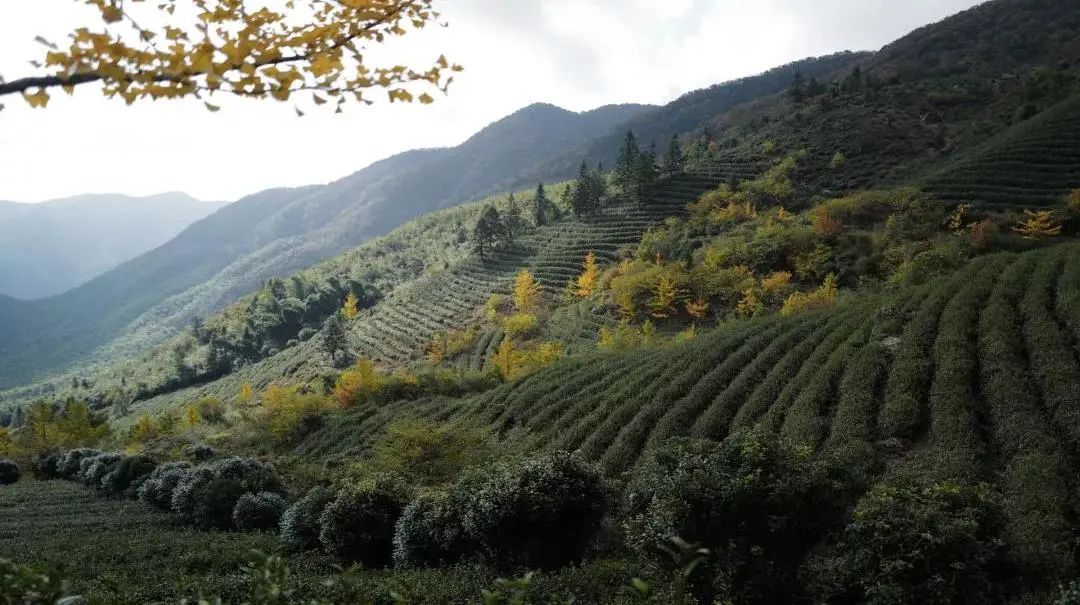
(203, 48)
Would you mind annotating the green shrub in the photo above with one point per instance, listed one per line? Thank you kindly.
(9, 472)
(429, 454)
(359, 524)
(541, 512)
(258, 511)
(932, 544)
(158, 488)
(127, 476)
(755, 503)
(94, 469)
(70, 464)
(430, 531)
(207, 495)
(300, 521)
(45, 465)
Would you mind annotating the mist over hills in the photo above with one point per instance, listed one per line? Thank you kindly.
(49, 247)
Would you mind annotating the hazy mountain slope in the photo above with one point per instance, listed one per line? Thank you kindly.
(53, 246)
(276, 233)
(692, 110)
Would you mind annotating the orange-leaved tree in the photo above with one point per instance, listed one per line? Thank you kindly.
(179, 48)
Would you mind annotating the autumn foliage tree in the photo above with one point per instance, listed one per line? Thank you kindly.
(589, 278)
(204, 48)
(351, 307)
(526, 292)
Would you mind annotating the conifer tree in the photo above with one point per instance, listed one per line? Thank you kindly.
(589, 278)
(512, 221)
(627, 166)
(526, 292)
(541, 206)
(673, 160)
(488, 231)
(580, 198)
(333, 337)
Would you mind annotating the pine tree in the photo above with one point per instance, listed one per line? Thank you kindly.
(541, 206)
(512, 220)
(597, 188)
(645, 171)
(627, 166)
(581, 196)
(673, 160)
(488, 231)
(333, 337)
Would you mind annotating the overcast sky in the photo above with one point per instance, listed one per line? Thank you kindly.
(577, 54)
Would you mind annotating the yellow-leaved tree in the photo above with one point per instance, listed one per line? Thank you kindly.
(1038, 223)
(590, 276)
(180, 48)
(351, 308)
(526, 292)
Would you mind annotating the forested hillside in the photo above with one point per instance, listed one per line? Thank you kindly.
(49, 247)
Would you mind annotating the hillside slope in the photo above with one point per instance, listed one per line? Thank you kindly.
(974, 377)
(53, 246)
(276, 233)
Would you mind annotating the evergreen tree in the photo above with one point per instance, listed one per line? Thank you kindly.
(488, 231)
(333, 337)
(627, 167)
(645, 171)
(673, 160)
(513, 221)
(597, 190)
(580, 198)
(541, 207)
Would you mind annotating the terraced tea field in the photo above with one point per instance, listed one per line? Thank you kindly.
(1035, 163)
(974, 377)
(398, 329)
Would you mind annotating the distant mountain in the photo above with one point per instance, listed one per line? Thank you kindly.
(53, 246)
(694, 109)
(278, 232)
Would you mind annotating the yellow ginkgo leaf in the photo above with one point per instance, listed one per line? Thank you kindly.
(426, 99)
(38, 99)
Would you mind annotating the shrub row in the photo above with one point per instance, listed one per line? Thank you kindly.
(541, 512)
(230, 493)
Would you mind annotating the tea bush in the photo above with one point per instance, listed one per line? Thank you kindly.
(70, 463)
(932, 544)
(359, 524)
(755, 503)
(207, 495)
(258, 511)
(127, 476)
(300, 521)
(158, 488)
(94, 469)
(541, 512)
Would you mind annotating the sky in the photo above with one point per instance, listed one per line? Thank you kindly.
(578, 54)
